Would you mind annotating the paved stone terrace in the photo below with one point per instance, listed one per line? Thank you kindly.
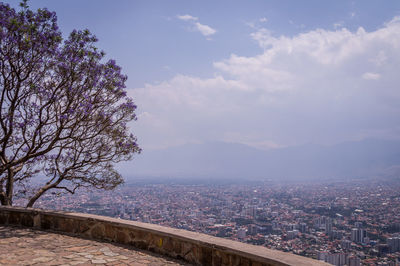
(24, 246)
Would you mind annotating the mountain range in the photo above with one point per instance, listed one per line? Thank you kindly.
(353, 159)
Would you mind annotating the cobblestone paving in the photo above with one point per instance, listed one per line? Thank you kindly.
(23, 246)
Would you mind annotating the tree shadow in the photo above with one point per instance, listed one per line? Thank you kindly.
(10, 231)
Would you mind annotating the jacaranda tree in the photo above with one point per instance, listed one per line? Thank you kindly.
(64, 111)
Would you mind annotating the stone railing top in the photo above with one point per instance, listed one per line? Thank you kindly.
(251, 252)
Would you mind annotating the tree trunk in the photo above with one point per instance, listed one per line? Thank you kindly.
(38, 195)
(3, 198)
(6, 198)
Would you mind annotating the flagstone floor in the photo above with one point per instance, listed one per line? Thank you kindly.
(24, 246)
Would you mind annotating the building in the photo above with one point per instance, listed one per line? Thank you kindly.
(358, 235)
(328, 226)
(394, 244)
(353, 261)
(292, 234)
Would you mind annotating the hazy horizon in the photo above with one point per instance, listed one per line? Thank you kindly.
(371, 158)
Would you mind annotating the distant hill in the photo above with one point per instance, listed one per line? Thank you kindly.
(238, 161)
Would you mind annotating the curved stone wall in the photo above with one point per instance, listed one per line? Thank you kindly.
(196, 248)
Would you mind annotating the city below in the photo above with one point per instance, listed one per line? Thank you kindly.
(353, 222)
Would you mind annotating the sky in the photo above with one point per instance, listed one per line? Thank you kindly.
(267, 74)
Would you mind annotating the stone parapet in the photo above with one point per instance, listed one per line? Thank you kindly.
(196, 248)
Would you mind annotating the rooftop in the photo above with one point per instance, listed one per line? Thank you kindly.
(25, 246)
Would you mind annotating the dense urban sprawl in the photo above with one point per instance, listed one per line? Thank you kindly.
(342, 223)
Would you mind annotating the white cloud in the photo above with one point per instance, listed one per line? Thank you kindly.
(262, 20)
(371, 76)
(380, 59)
(186, 17)
(251, 25)
(338, 24)
(394, 20)
(205, 30)
(312, 87)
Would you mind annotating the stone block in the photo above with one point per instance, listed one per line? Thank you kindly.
(168, 245)
(66, 225)
(4, 217)
(177, 246)
(206, 256)
(27, 220)
(139, 235)
(193, 254)
(245, 262)
(36, 219)
(140, 244)
(14, 218)
(132, 235)
(225, 258)
(49, 222)
(110, 232)
(234, 260)
(97, 231)
(216, 258)
(84, 228)
(122, 237)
